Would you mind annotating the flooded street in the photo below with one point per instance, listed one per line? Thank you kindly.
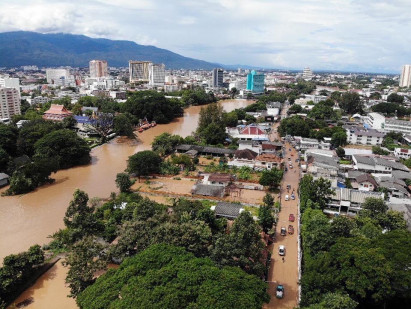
(29, 219)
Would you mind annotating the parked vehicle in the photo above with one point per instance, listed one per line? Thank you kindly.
(291, 166)
(290, 229)
(279, 291)
(287, 198)
(291, 218)
(288, 186)
(281, 250)
(283, 231)
(293, 196)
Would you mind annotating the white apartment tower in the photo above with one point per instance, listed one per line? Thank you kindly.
(307, 74)
(98, 68)
(139, 71)
(156, 74)
(217, 78)
(405, 80)
(9, 102)
(7, 82)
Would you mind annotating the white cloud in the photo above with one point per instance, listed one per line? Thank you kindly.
(323, 34)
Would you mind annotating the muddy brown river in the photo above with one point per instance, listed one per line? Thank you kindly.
(29, 219)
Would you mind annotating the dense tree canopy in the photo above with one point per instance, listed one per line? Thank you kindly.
(144, 163)
(123, 126)
(153, 106)
(164, 276)
(164, 143)
(64, 145)
(211, 126)
(350, 102)
(395, 98)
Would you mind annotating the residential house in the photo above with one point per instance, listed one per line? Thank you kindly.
(245, 157)
(227, 210)
(402, 153)
(366, 182)
(320, 166)
(267, 161)
(218, 179)
(205, 150)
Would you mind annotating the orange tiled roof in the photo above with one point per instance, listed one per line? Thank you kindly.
(58, 109)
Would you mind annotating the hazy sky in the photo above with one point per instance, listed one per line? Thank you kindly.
(357, 35)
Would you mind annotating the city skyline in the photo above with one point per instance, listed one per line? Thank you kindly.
(366, 36)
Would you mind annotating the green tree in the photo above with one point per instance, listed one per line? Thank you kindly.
(8, 137)
(211, 124)
(69, 149)
(268, 200)
(315, 231)
(271, 178)
(80, 218)
(350, 102)
(265, 217)
(123, 182)
(335, 301)
(395, 98)
(242, 247)
(340, 152)
(296, 126)
(84, 260)
(144, 163)
(165, 143)
(295, 109)
(164, 276)
(339, 139)
(378, 150)
(123, 126)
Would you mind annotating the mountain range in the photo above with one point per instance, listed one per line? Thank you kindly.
(20, 48)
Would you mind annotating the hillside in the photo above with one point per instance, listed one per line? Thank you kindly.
(49, 50)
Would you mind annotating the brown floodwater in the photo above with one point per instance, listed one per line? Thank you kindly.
(29, 219)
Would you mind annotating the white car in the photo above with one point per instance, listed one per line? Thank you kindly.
(287, 198)
(281, 250)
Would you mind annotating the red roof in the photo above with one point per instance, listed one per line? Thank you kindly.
(57, 109)
(252, 130)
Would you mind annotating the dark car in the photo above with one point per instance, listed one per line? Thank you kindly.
(283, 231)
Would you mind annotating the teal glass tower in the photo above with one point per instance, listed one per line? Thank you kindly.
(255, 82)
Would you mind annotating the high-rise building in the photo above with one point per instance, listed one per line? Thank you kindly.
(9, 102)
(7, 82)
(217, 78)
(56, 76)
(98, 68)
(255, 82)
(405, 80)
(156, 74)
(307, 74)
(139, 71)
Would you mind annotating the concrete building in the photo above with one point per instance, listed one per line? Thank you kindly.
(381, 123)
(139, 71)
(307, 74)
(405, 79)
(217, 78)
(255, 82)
(98, 68)
(273, 108)
(402, 153)
(57, 76)
(348, 201)
(156, 74)
(362, 136)
(378, 165)
(8, 82)
(9, 102)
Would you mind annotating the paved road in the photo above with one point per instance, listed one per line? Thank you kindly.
(286, 272)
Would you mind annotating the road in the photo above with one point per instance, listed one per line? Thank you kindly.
(286, 272)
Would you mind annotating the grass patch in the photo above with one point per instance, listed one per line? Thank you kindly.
(252, 210)
(345, 162)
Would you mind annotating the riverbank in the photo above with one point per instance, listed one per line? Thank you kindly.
(29, 219)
